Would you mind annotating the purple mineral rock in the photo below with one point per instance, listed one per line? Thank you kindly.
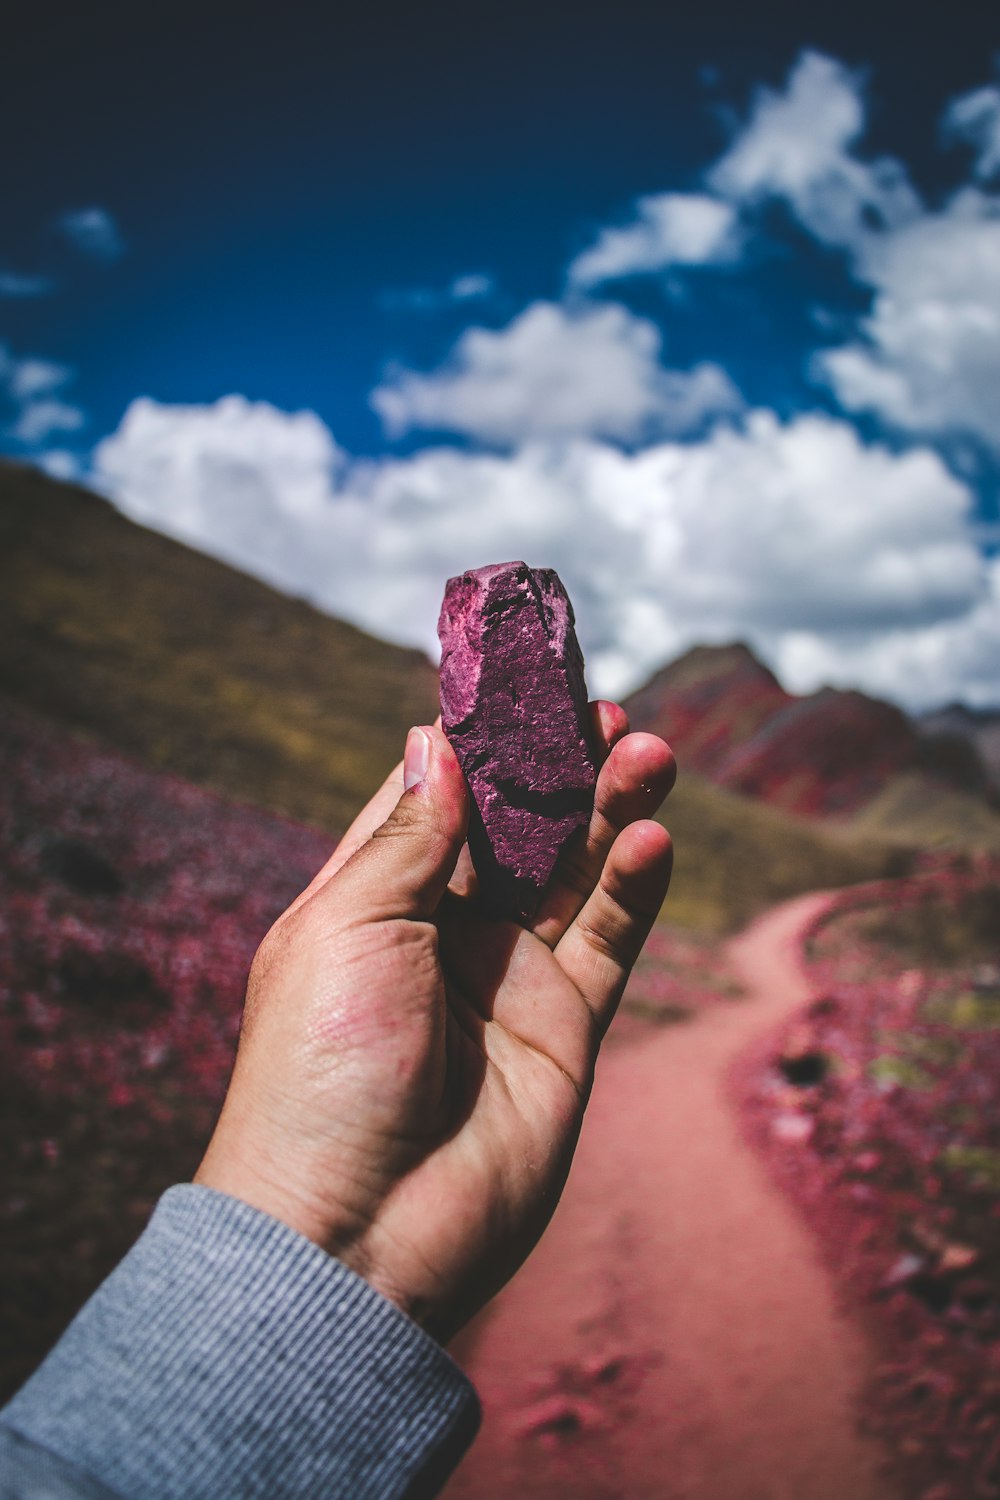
(514, 706)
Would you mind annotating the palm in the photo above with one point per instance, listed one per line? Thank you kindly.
(518, 1048)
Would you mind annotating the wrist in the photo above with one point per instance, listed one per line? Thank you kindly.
(343, 1236)
(254, 1177)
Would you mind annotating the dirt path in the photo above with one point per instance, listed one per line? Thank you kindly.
(674, 1335)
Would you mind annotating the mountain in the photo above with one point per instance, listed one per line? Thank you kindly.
(189, 667)
(831, 753)
(955, 728)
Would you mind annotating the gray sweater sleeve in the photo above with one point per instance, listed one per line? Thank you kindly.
(227, 1356)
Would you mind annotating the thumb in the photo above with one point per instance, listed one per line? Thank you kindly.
(404, 868)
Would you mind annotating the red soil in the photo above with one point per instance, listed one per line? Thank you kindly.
(675, 1333)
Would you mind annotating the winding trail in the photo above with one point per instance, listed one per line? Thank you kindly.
(675, 1334)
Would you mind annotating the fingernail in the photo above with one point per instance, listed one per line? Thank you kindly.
(416, 758)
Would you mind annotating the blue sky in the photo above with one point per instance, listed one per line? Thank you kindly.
(702, 308)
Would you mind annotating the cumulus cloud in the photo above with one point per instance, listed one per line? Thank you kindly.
(242, 479)
(94, 232)
(668, 229)
(927, 666)
(556, 371)
(798, 145)
(61, 464)
(928, 355)
(30, 377)
(795, 535)
(926, 358)
(975, 117)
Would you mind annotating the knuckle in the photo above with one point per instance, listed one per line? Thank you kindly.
(418, 940)
(598, 937)
(414, 947)
(407, 822)
(403, 822)
(633, 911)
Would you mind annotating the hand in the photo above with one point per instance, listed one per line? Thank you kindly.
(411, 1077)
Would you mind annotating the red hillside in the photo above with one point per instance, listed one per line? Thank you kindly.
(729, 719)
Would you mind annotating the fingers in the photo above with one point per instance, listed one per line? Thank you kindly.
(609, 722)
(599, 948)
(404, 868)
(634, 780)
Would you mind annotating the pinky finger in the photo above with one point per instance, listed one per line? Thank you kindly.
(603, 942)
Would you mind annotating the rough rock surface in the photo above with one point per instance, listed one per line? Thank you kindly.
(514, 706)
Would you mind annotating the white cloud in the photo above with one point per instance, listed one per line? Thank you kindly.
(669, 229)
(975, 117)
(928, 358)
(61, 464)
(15, 284)
(798, 146)
(94, 232)
(32, 377)
(782, 533)
(949, 659)
(589, 370)
(38, 420)
(27, 387)
(242, 479)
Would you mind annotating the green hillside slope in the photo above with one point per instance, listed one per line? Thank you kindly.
(930, 817)
(193, 667)
(735, 857)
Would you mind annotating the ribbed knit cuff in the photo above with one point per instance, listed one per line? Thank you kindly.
(229, 1356)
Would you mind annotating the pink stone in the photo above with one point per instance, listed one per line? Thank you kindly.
(514, 706)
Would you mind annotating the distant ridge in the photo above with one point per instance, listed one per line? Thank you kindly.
(957, 724)
(832, 753)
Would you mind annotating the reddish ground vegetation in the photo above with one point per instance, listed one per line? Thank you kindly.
(880, 1109)
(131, 906)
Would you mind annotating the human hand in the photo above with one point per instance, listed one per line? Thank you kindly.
(411, 1077)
